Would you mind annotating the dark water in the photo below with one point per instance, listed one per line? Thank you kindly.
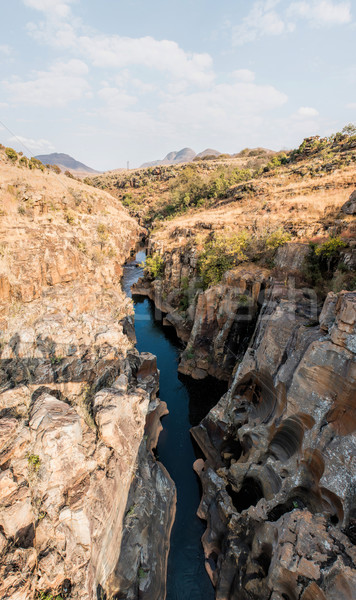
(188, 402)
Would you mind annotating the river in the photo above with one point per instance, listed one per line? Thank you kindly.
(188, 402)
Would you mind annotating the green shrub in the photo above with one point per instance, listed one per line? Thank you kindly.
(23, 161)
(277, 238)
(34, 163)
(221, 254)
(330, 248)
(34, 462)
(103, 234)
(154, 266)
(11, 154)
(69, 217)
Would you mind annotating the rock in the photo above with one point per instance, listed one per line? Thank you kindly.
(291, 256)
(280, 451)
(350, 206)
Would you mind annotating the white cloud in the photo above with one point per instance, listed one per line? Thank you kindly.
(57, 87)
(307, 111)
(268, 17)
(322, 12)
(115, 98)
(244, 75)
(119, 52)
(262, 20)
(163, 55)
(31, 145)
(57, 8)
(351, 105)
(225, 108)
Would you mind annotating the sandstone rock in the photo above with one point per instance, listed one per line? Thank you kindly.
(291, 256)
(350, 206)
(280, 451)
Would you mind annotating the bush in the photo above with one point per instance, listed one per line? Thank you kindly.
(154, 266)
(221, 254)
(103, 234)
(34, 462)
(278, 238)
(23, 161)
(11, 154)
(54, 168)
(34, 163)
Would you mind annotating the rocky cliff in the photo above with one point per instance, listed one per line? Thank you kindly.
(278, 479)
(79, 415)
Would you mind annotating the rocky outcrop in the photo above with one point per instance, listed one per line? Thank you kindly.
(350, 206)
(224, 319)
(216, 324)
(278, 491)
(79, 415)
(65, 484)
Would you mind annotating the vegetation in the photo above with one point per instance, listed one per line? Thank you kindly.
(278, 238)
(221, 253)
(154, 266)
(11, 154)
(34, 163)
(34, 462)
(323, 269)
(103, 234)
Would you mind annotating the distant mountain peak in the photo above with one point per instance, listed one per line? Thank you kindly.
(64, 162)
(173, 158)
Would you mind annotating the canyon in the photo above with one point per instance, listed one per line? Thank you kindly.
(87, 503)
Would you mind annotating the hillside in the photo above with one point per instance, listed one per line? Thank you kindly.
(173, 158)
(151, 193)
(252, 260)
(65, 163)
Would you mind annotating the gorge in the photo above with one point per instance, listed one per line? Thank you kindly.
(241, 338)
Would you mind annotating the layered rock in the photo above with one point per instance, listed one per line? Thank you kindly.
(65, 487)
(280, 466)
(216, 324)
(77, 401)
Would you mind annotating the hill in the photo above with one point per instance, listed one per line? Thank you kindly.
(65, 162)
(173, 158)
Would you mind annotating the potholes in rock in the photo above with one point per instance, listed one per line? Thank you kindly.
(230, 450)
(301, 498)
(250, 493)
(264, 560)
(289, 436)
(281, 509)
(259, 391)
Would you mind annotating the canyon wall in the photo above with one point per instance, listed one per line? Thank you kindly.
(79, 415)
(278, 479)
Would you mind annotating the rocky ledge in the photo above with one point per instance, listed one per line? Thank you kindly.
(279, 475)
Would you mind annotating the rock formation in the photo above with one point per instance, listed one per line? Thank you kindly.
(278, 480)
(79, 415)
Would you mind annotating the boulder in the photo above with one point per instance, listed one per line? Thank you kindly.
(350, 206)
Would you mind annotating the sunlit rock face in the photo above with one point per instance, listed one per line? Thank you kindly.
(65, 484)
(280, 447)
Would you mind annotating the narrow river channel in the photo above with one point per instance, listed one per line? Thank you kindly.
(188, 402)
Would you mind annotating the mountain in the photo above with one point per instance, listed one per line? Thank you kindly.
(65, 162)
(208, 152)
(173, 158)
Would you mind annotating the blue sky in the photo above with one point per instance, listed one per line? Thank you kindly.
(110, 81)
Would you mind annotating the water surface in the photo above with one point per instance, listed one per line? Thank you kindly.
(188, 402)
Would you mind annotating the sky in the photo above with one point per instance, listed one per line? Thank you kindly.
(111, 81)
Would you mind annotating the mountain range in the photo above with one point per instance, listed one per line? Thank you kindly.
(65, 162)
(181, 156)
